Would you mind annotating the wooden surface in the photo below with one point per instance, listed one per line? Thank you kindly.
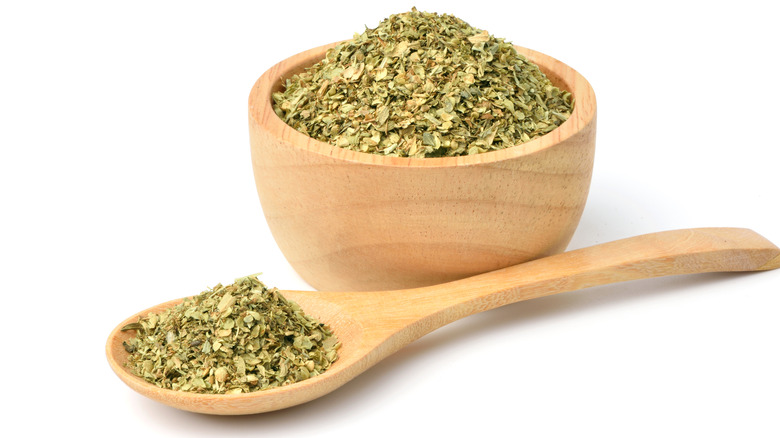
(373, 325)
(347, 220)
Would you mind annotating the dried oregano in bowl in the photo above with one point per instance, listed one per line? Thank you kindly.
(423, 85)
(231, 339)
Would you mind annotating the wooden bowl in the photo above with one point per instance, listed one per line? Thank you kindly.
(349, 220)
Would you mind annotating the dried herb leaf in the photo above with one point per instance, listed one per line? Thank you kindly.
(132, 326)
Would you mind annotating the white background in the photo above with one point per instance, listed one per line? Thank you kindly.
(125, 181)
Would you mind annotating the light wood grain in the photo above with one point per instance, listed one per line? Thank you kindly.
(347, 220)
(373, 325)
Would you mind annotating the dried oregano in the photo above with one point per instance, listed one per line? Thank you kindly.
(230, 339)
(423, 85)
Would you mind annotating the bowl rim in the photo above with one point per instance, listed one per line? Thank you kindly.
(263, 116)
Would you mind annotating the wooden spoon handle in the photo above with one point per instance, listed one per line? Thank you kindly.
(652, 255)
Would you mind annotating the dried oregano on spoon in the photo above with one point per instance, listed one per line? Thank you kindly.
(423, 85)
(230, 339)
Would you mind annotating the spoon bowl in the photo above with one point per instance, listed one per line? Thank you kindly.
(373, 325)
(348, 329)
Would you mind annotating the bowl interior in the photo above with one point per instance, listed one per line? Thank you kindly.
(561, 75)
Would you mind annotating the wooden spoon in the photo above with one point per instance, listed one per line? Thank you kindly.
(373, 325)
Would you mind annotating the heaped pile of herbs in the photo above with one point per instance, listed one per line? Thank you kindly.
(230, 339)
(423, 85)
